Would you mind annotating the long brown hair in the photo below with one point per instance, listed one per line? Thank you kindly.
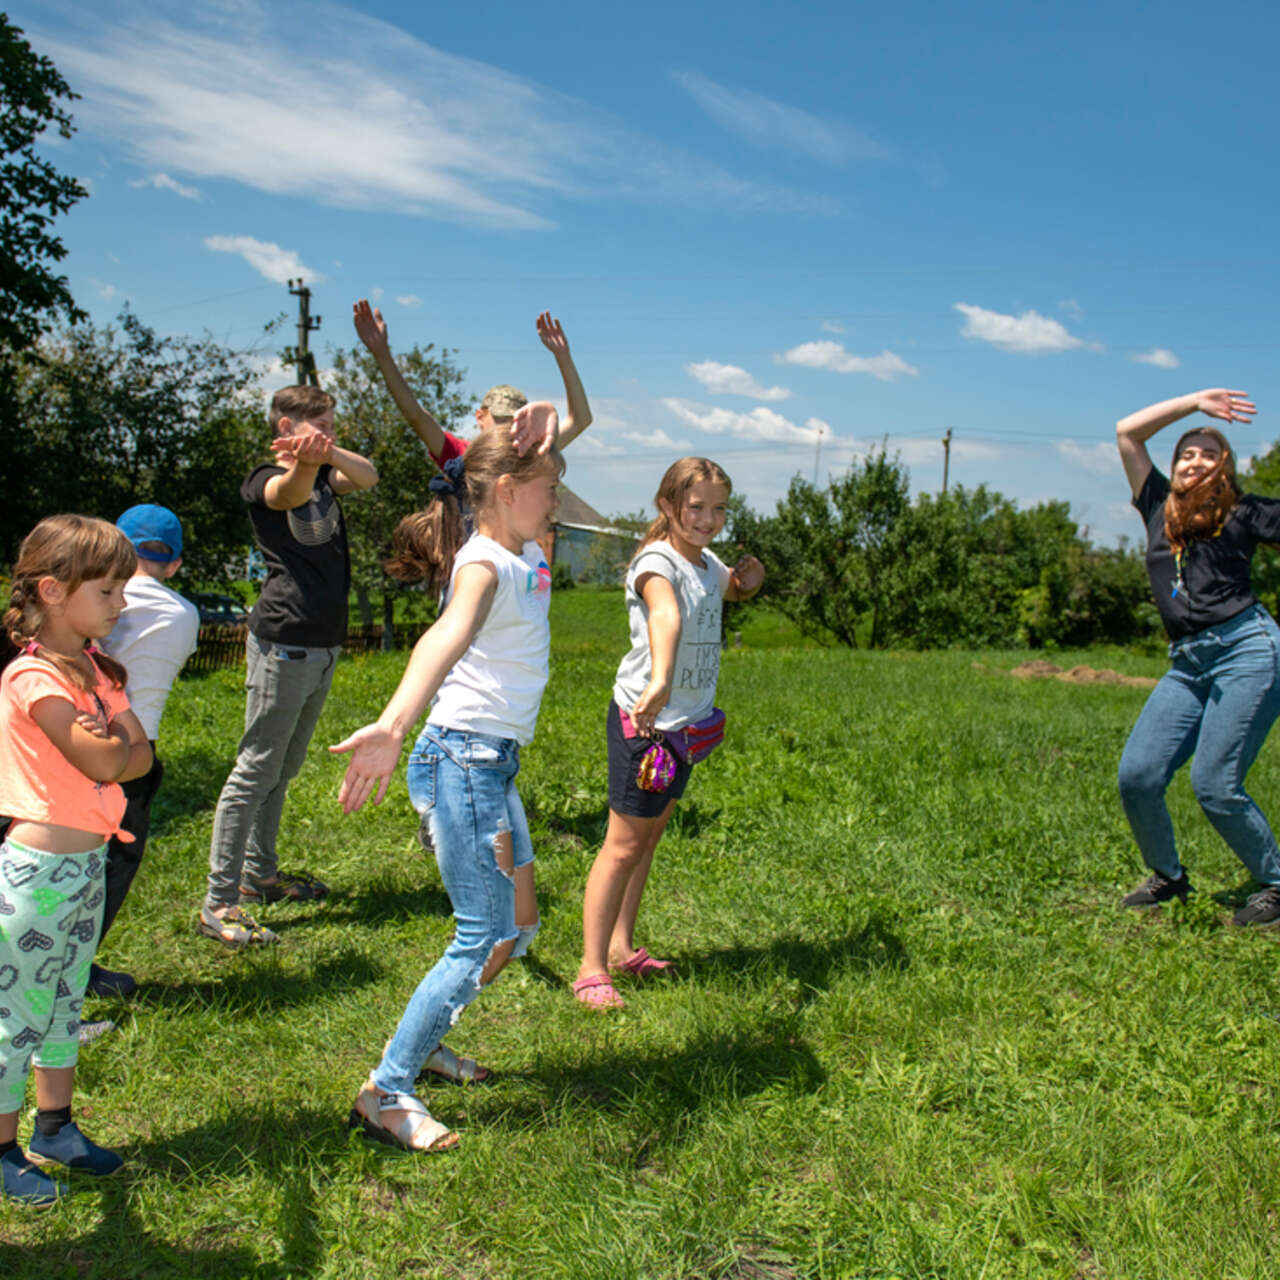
(424, 544)
(1201, 509)
(72, 550)
(679, 478)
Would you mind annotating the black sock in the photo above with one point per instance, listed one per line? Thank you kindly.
(49, 1122)
(6, 1147)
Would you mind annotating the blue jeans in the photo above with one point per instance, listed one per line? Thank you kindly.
(463, 786)
(1218, 703)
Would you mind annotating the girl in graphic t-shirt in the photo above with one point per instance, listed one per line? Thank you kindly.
(484, 661)
(1221, 695)
(67, 738)
(675, 587)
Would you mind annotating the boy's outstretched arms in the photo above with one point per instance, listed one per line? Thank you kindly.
(745, 579)
(372, 331)
(578, 417)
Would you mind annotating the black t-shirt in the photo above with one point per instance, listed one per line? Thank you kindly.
(304, 599)
(1215, 570)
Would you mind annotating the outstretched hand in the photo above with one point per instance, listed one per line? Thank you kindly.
(1229, 406)
(537, 423)
(552, 335)
(371, 328)
(748, 576)
(375, 753)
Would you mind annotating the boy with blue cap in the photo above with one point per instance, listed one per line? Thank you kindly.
(154, 637)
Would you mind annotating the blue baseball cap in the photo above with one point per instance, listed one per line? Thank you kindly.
(148, 522)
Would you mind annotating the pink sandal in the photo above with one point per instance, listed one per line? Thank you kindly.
(642, 965)
(597, 991)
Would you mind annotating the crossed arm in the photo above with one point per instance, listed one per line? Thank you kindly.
(302, 456)
(115, 752)
(375, 749)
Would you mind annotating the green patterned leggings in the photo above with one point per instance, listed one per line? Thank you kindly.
(50, 914)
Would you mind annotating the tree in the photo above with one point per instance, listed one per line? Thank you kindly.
(369, 423)
(32, 194)
(105, 418)
(1263, 476)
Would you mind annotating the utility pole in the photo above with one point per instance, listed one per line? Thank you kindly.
(301, 355)
(946, 458)
(817, 453)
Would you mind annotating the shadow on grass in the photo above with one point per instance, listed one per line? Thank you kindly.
(373, 905)
(707, 1072)
(874, 946)
(296, 1152)
(262, 984)
(588, 826)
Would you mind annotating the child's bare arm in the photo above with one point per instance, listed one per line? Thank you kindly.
(301, 456)
(350, 472)
(664, 638)
(100, 756)
(578, 415)
(372, 331)
(536, 423)
(140, 757)
(375, 749)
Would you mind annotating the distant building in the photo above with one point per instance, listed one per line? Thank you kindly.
(583, 540)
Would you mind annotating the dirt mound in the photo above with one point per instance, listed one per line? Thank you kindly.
(1038, 668)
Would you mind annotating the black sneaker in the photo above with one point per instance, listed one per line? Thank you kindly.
(1262, 909)
(1156, 889)
(110, 982)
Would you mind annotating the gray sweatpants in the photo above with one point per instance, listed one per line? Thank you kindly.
(285, 689)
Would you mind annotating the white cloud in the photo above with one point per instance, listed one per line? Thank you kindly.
(762, 119)
(362, 115)
(1027, 334)
(757, 424)
(1100, 458)
(657, 439)
(728, 379)
(270, 260)
(831, 326)
(1161, 357)
(375, 294)
(162, 182)
(831, 355)
(409, 300)
(1071, 307)
(104, 290)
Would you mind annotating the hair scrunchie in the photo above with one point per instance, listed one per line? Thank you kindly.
(450, 482)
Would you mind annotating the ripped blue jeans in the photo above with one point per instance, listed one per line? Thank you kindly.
(463, 786)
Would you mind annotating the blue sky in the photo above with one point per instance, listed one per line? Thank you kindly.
(775, 235)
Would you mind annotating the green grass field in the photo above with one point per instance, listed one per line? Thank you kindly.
(912, 1034)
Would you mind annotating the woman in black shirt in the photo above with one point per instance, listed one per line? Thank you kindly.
(1222, 694)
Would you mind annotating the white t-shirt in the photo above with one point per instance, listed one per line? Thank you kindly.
(496, 686)
(700, 593)
(153, 638)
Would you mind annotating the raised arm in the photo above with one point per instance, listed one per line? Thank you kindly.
(372, 331)
(375, 749)
(1133, 432)
(578, 417)
(664, 638)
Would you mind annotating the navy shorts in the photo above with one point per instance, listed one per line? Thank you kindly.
(624, 763)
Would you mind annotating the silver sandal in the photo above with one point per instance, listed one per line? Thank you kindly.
(417, 1130)
(444, 1063)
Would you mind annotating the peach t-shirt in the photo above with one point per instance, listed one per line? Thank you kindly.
(37, 782)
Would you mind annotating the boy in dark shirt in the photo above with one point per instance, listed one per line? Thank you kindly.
(296, 631)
